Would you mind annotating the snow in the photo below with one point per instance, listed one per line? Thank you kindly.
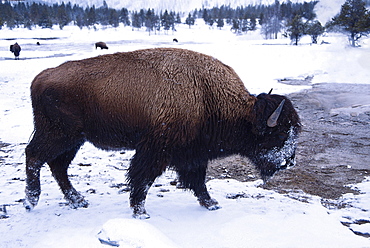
(260, 218)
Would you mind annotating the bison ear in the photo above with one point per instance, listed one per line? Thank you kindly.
(272, 120)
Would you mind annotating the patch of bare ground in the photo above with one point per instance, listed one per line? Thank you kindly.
(333, 148)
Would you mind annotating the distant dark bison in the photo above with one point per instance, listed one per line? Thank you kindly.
(16, 49)
(175, 40)
(101, 44)
(177, 108)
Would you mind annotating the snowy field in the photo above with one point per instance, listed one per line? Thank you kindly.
(261, 218)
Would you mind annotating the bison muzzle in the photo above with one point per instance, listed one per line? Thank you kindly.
(177, 108)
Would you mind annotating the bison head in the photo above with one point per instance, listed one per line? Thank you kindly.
(276, 131)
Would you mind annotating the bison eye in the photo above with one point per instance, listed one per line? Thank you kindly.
(283, 136)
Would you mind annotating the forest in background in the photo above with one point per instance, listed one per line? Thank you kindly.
(243, 18)
(289, 19)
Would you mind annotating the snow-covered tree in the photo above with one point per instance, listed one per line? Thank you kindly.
(353, 19)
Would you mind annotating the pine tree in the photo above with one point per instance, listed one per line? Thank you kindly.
(62, 17)
(178, 19)
(136, 23)
(124, 17)
(142, 17)
(113, 18)
(190, 20)
(244, 25)
(45, 20)
(102, 14)
(235, 25)
(296, 29)
(167, 21)
(272, 21)
(90, 16)
(206, 16)
(7, 15)
(314, 29)
(252, 23)
(353, 19)
(150, 20)
(220, 23)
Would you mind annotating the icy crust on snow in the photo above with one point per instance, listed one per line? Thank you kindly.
(260, 218)
(133, 233)
(354, 210)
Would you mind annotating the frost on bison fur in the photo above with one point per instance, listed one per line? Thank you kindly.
(177, 108)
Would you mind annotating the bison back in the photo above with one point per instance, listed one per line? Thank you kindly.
(167, 93)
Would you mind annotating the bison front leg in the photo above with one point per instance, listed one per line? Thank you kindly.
(146, 166)
(192, 174)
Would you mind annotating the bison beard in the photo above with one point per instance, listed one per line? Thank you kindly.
(175, 107)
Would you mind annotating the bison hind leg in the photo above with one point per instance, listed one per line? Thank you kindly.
(32, 195)
(33, 167)
(59, 167)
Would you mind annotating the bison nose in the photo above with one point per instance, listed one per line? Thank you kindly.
(288, 162)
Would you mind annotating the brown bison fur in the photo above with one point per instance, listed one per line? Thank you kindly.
(16, 49)
(101, 44)
(177, 108)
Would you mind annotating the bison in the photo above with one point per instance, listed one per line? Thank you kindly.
(16, 49)
(101, 44)
(177, 108)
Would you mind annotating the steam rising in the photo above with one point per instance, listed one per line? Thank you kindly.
(327, 9)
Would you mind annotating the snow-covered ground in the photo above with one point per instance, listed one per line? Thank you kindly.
(261, 218)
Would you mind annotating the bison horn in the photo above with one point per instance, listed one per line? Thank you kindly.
(272, 120)
(270, 92)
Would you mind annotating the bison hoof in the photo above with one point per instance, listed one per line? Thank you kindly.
(143, 216)
(76, 200)
(140, 212)
(214, 207)
(80, 203)
(31, 200)
(29, 204)
(210, 204)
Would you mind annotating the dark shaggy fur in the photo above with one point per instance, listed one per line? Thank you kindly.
(101, 44)
(175, 107)
(16, 49)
